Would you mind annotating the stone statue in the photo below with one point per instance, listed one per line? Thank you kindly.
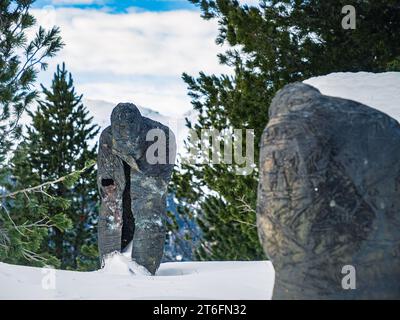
(133, 185)
(328, 210)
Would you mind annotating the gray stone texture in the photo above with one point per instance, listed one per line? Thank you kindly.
(132, 188)
(329, 196)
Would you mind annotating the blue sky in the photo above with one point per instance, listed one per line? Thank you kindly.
(119, 6)
(132, 51)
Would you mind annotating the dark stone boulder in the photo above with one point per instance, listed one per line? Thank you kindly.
(329, 197)
(133, 185)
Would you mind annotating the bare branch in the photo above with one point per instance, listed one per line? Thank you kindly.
(245, 207)
(246, 223)
(40, 187)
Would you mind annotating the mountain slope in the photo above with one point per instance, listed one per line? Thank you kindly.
(101, 112)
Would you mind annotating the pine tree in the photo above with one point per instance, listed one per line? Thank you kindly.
(272, 45)
(20, 62)
(56, 145)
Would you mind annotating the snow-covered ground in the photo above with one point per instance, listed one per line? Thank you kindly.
(377, 90)
(173, 281)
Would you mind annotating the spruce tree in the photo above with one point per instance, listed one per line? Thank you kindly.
(56, 145)
(274, 44)
(20, 62)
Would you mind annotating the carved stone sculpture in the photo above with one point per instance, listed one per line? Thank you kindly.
(328, 208)
(133, 185)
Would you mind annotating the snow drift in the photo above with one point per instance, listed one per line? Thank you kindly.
(380, 91)
(178, 280)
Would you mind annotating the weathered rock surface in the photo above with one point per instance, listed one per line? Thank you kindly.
(329, 197)
(133, 187)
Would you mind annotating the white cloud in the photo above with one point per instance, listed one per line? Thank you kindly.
(134, 56)
(74, 2)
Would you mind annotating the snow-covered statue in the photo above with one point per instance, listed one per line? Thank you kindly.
(328, 209)
(135, 163)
